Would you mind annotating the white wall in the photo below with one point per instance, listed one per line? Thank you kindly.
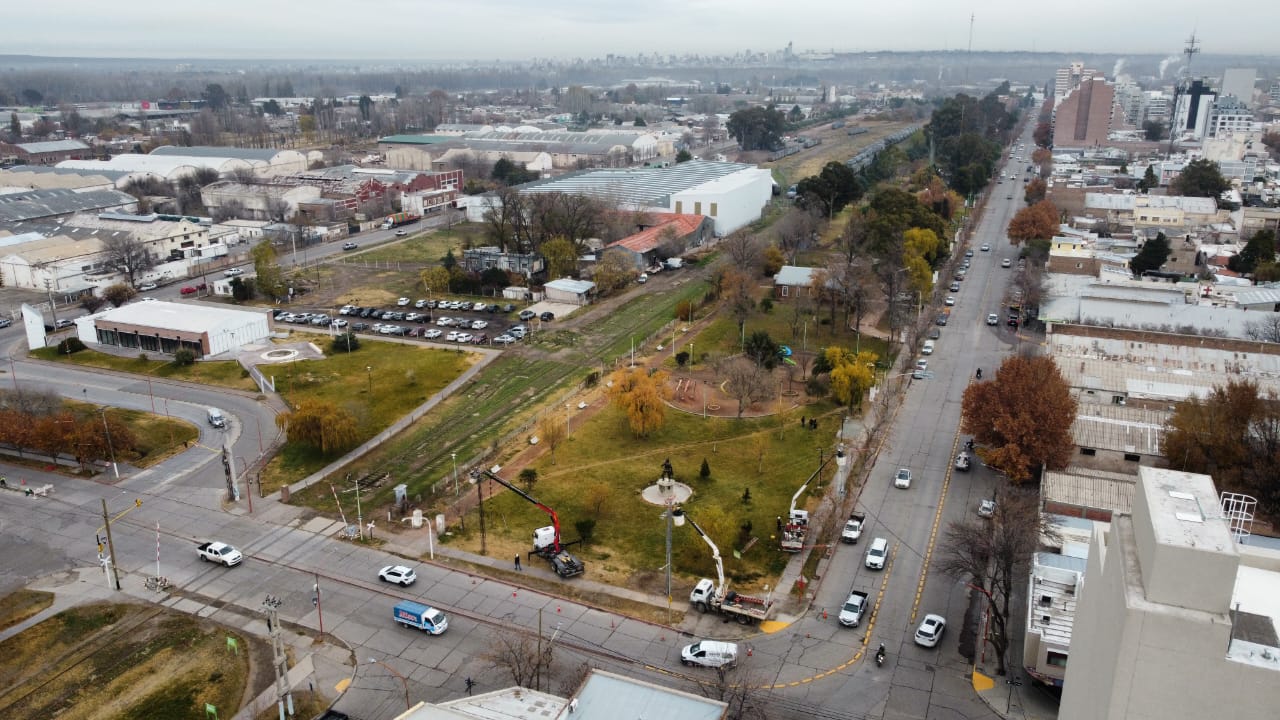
(739, 200)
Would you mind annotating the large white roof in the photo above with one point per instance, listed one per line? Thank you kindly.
(181, 317)
(168, 166)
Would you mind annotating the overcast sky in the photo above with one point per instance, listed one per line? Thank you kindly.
(522, 29)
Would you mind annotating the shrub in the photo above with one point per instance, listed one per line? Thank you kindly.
(705, 471)
(593, 379)
(585, 527)
(70, 345)
(682, 358)
(184, 356)
(346, 342)
(766, 305)
(684, 310)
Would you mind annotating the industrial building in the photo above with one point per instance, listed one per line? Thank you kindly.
(47, 205)
(166, 327)
(264, 161)
(732, 194)
(44, 153)
(670, 235)
(1176, 616)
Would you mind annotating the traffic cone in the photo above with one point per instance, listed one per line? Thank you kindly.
(824, 613)
(749, 648)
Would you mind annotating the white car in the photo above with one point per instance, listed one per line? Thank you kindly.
(403, 301)
(401, 233)
(985, 247)
(389, 330)
(930, 630)
(464, 337)
(232, 272)
(986, 508)
(346, 309)
(452, 336)
(398, 574)
(479, 325)
(949, 301)
(432, 333)
(504, 339)
(339, 323)
(147, 287)
(1006, 263)
(902, 480)
(444, 321)
(993, 319)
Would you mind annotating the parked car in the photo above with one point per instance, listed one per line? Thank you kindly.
(398, 574)
(452, 336)
(949, 301)
(955, 286)
(403, 301)
(479, 324)
(527, 315)
(147, 287)
(63, 323)
(547, 316)
(432, 333)
(464, 337)
(445, 321)
(479, 339)
(359, 327)
(986, 508)
(508, 308)
(504, 339)
(349, 246)
(420, 304)
(964, 461)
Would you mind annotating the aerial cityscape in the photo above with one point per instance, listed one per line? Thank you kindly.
(477, 362)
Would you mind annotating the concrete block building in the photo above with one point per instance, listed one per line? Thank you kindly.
(166, 327)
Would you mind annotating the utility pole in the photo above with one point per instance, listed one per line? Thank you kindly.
(359, 514)
(111, 546)
(280, 662)
(484, 550)
(319, 606)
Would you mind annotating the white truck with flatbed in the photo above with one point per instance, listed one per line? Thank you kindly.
(853, 528)
(707, 595)
(219, 552)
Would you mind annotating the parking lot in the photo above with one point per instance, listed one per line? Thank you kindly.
(452, 321)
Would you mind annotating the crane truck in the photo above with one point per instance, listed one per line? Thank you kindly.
(707, 596)
(796, 528)
(546, 540)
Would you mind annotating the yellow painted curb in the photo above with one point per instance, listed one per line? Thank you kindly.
(342, 685)
(982, 682)
(769, 627)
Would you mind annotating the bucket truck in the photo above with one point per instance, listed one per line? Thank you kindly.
(707, 596)
(546, 540)
(796, 528)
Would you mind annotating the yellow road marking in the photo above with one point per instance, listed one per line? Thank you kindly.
(933, 532)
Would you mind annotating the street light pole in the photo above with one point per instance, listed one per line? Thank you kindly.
(114, 467)
(368, 369)
(359, 514)
(403, 680)
(456, 493)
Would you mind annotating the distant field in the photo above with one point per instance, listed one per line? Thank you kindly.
(427, 247)
(836, 145)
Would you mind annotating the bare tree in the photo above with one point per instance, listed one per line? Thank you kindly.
(737, 290)
(526, 657)
(126, 253)
(744, 250)
(740, 691)
(993, 555)
(796, 231)
(553, 432)
(746, 382)
(1265, 328)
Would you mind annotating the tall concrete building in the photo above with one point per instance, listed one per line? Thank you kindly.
(1085, 117)
(1069, 78)
(1195, 105)
(1175, 618)
(1238, 83)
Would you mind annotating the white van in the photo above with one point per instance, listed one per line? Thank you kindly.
(710, 653)
(216, 419)
(877, 553)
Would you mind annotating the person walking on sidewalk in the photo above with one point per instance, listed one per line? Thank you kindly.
(518, 562)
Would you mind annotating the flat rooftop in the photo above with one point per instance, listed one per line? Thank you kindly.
(182, 317)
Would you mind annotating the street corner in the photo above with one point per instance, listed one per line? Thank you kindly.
(769, 627)
(981, 682)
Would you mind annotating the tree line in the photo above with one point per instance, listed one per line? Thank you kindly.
(39, 422)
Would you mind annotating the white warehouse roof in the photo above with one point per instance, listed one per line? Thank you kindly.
(179, 317)
(167, 166)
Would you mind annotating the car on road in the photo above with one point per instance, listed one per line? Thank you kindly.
(993, 319)
(949, 301)
(902, 480)
(968, 253)
(526, 315)
(188, 290)
(964, 461)
(349, 246)
(432, 333)
(985, 247)
(147, 287)
(955, 286)
(6, 322)
(1008, 197)
(1006, 263)
(403, 301)
(930, 630)
(398, 574)
(401, 233)
(1012, 321)
(877, 553)
(504, 339)
(63, 323)
(986, 508)
(232, 272)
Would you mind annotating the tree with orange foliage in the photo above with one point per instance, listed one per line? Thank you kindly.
(1034, 191)
(640, 395)
(1021, 417)
(1038, 222)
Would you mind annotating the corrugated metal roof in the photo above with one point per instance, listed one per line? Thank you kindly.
(260, 154)
(639, 186)
(1091, 489)
(1119, 428)
(415, 139)
(1258, 296)
(578, 287)
(794, 276)
(183, 317)
(39, 204)
(650, 238)
(52, 146)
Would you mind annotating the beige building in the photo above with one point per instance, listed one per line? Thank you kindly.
(1160, 211)
(1175, 619)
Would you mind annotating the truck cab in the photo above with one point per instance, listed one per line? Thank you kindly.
(853, 528)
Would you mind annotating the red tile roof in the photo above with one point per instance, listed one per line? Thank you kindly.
(650, 238)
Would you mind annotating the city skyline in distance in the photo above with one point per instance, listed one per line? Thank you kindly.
(489, 30)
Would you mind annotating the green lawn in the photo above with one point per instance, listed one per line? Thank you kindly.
(156, 437)
(722, 337)
(600, 471)
(223, 373)
(428, 246)
(402, 377)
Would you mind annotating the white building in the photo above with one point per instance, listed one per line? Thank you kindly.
(264, 161)
(166, 167)
(166, 327)
(1239, 83)
(1230, 117)
(1175, 619)
(1051, 608)
(731, 194)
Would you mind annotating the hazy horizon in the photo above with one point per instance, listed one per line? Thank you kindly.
(506, 30)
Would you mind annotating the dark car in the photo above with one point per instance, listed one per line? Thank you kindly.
(547, 316)
(1012, 321)
(935, 334)
(508, 308)
(942, 319)
(479, 339)
(360, 326)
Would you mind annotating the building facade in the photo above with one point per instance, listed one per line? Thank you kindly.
(1084, 117)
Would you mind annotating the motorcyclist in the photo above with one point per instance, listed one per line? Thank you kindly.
(880, 654)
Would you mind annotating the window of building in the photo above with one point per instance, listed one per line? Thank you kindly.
(679, 206)
(1088, 451)
(714, 207)
(1056, 659)
(784, 290)
(697, 208)
(1133, 457)
(1117, 399)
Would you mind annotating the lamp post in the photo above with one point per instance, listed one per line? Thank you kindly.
(359, 514)
(368, 369)
(566, 421)
(403, 680)
(115, 469)
(454, 455)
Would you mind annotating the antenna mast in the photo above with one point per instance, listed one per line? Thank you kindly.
(1181, 86)
(969, 52)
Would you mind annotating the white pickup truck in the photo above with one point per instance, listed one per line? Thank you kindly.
(219, 553)
(853, 528)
